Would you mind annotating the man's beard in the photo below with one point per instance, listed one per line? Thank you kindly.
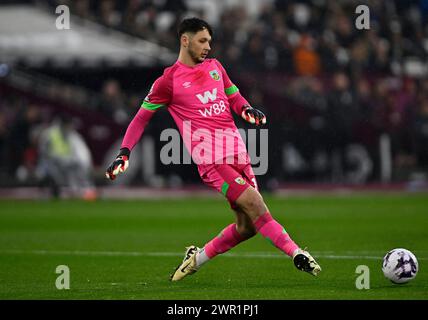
(196, 58)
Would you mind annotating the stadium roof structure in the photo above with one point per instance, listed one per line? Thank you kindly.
(29, 34)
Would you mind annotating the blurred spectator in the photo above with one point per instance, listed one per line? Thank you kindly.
(108, 14)
(364, 99)
(364, 131)
(65, 160)
(342, 110)
(20, 135)
(82, 8)
(3, 144)
(300, 17)
(253, 58)
(130, 15)
(306, 59)
(341, 115)
(145, 23)
(344, 30)
(113, 102)
(309, 93)
(420, 131)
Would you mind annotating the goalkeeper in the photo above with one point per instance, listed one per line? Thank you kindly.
(199, 95)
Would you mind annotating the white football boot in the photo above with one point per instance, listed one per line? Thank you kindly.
(188, 266)
(305, 262)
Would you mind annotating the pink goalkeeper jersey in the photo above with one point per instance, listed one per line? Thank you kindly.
(198, 98)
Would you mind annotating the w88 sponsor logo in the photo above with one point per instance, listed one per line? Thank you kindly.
(215, 108)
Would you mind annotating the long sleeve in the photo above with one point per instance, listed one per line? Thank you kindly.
(136, 128)
(158, 97)
(237, 102)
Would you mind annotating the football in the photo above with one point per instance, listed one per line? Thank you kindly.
(400, 265)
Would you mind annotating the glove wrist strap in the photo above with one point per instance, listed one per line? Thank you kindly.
(124, 152)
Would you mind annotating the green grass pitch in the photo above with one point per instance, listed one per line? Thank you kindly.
(127, 249)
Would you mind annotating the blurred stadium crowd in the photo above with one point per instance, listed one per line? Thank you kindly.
(323, 84)
(305, 37)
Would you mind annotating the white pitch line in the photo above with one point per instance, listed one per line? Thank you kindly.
(320, 254)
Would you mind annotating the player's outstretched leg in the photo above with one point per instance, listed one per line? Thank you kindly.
(252, 203)
(226, 240)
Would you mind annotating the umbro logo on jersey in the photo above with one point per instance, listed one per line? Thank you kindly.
(187, 84)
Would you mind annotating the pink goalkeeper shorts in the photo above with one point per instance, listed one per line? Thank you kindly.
(229, 179)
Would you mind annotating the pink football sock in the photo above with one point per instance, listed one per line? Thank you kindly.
(275, 233)
(225, 241)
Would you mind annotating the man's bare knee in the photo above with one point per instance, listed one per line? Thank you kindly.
(251, 202)
(244, 224)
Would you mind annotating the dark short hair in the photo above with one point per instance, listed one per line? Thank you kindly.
(193, 25)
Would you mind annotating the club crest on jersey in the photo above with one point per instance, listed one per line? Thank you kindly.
(239, 180)
(214, 74)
